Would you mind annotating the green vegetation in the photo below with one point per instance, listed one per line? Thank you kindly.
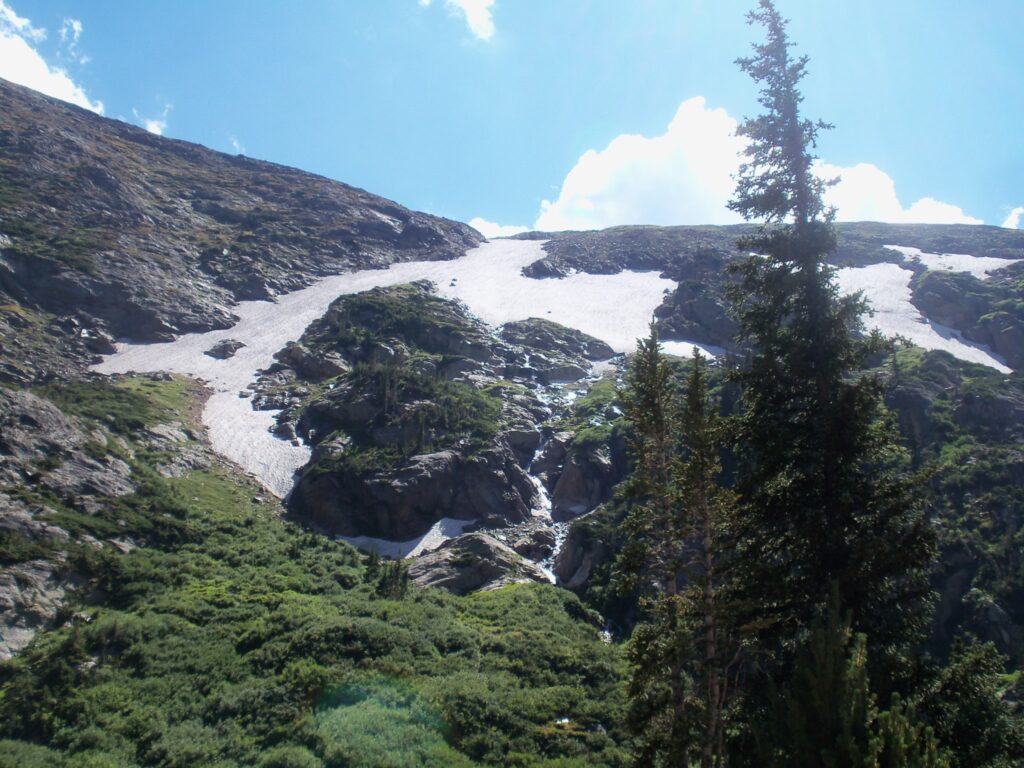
(416, 412)
(403, 338)
(244, 640)
(410, 313)
(126, 405)
(594, 419)
(71, 247)
(964, 424)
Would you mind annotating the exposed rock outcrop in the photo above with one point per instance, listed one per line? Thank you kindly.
(222, 350)
(988, 312)
(471, 563)
(405, 501)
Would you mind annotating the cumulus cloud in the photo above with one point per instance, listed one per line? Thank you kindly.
(681, 176)
(156, 124)
(867, 193)
(21, 63)
(1013, 219)
(475, 13)
(686, 176)
(490, 229)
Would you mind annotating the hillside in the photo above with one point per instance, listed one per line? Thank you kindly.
(110, 231)
(227, 387)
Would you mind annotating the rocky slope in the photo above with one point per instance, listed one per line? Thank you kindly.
(697, 258)
(418, 412)
(107, 230)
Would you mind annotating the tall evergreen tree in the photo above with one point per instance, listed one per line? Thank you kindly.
(823, 502)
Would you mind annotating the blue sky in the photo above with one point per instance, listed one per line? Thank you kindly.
(554, 113)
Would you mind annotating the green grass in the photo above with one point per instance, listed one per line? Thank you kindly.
(124, 406)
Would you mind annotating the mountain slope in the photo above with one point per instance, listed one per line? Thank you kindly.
(124, 233)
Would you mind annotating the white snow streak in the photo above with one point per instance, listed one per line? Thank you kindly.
(887, 288)
(614, 308)
(979, 266)
(444, 529)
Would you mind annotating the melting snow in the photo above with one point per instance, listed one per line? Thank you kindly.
(613, 308)
(887, 287)
(979, 266)
(685, 349)
(444, 529)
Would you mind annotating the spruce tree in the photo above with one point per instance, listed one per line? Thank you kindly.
(823, 503)
(682, 650)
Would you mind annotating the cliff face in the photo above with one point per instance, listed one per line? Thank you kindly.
(107, 230)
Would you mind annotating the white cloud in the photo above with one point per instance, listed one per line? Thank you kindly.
(683, 176)
(236, 145)
(686, 176)
(476, 14)
(157, 124)
(21, 63)
(489, 229)
(1013, 219)
(867, 193)
(19, 25)
(70, 31)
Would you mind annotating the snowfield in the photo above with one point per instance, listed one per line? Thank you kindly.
(887, 288)
(979, 266)
(614, 308)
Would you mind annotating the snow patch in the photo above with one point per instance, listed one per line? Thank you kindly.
(979, 266)
(444, 529)
(887, 288)
(489, 280)
(685, 348)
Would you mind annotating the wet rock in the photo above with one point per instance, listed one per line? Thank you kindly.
(524, 442)
(548, 464)
(473, 562)
(538, 544)
(586, 480)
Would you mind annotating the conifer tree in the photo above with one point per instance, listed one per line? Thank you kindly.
(826, 715)
(823, 503)
(681, 652)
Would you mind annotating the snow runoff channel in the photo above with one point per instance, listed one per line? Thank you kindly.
(614, 308)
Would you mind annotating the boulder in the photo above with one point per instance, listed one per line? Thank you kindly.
(400, 504)
(473, 562)
(538, 544)
(586, 480)
(224, 349)
(310, 365)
